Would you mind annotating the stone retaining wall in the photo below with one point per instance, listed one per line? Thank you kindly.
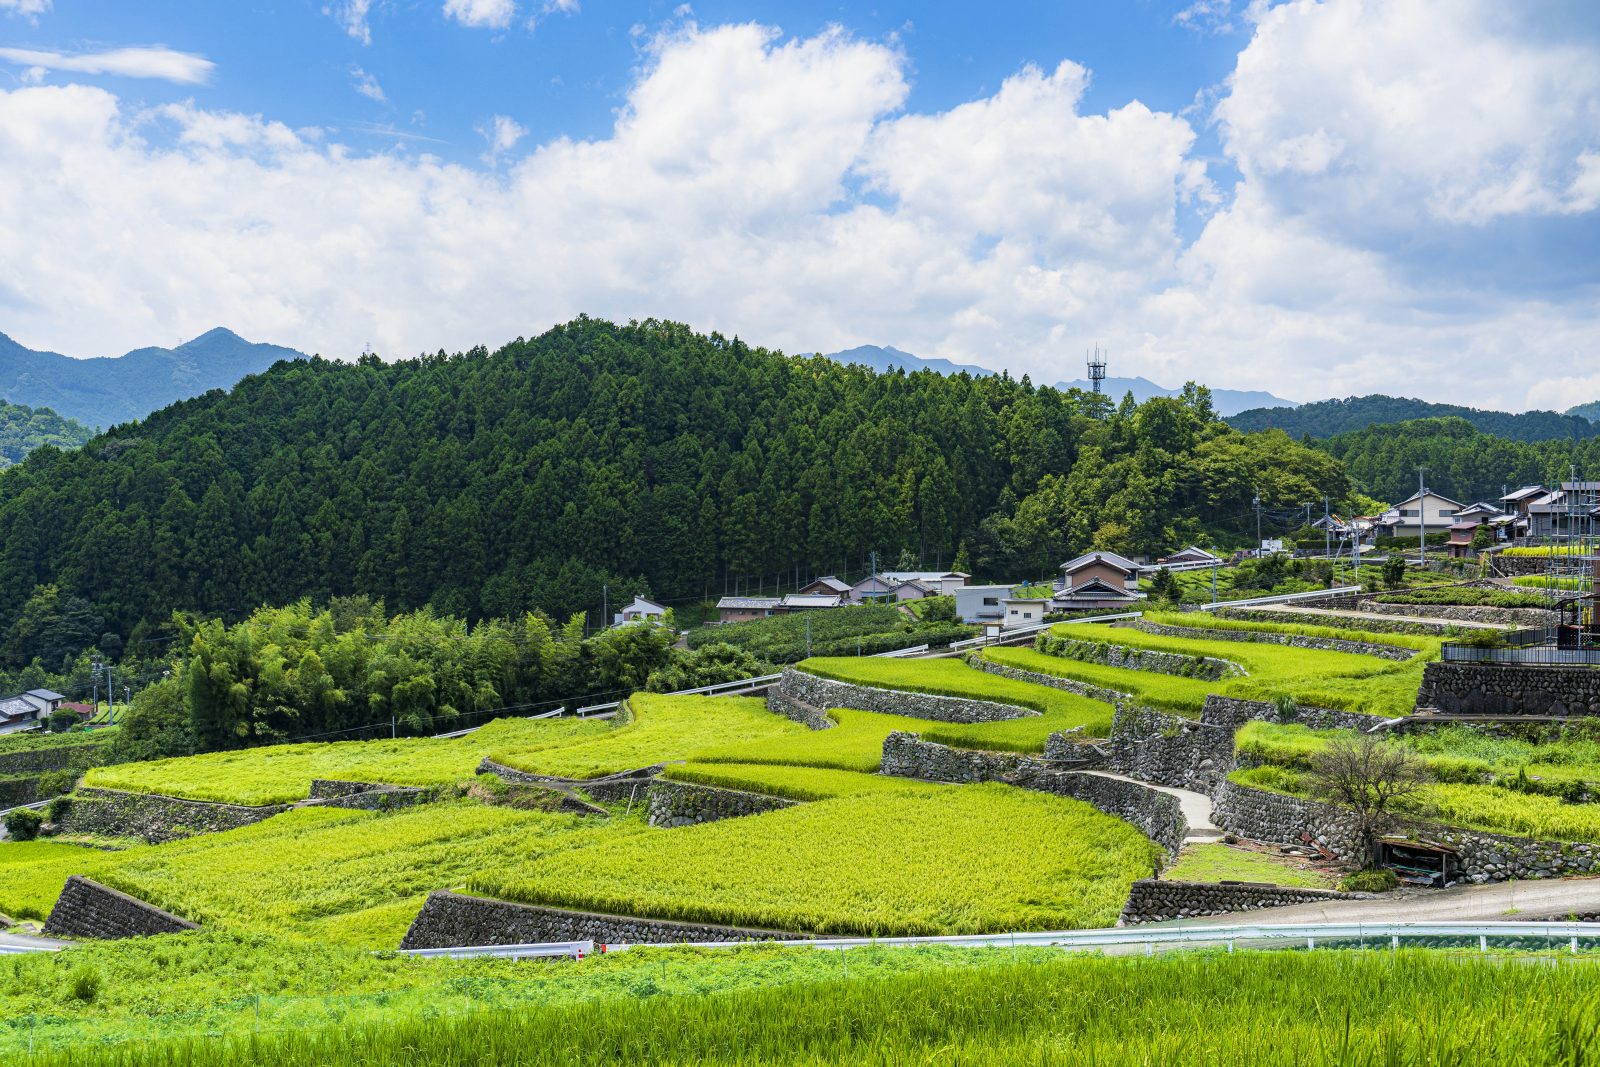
(1390, 626)
(384, 798)
(1316, 644)
(89, 909)
(449, 919)
(672, 804)
(1483, 856)
(1168, 749)
(1206, 668)
(1474, 688)
(155, 818)
(329, 788)
(1462, 612)
(615, 788)
(1069, 685)
(798, 710)
(1152, 900)
(1158, 815)
(44, 760)
(826, 693)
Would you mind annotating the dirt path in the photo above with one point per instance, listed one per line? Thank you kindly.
(1196, 808)
(1550, 898)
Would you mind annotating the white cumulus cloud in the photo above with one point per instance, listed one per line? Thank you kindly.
(490, 14)
(778, 188)
(351, 15)
(367, 85)
(28, 8)
(184, 68)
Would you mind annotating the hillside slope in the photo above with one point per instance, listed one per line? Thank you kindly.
(106, 391)
(490, 484)
(23, 429)
(1325, 418)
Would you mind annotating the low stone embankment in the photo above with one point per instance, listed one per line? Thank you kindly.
(613, 788)
(1480, 688)
(1261, 637)
(1481, 856)
(1153, 900)
(1068, 685)
(672, 804)
(825, 693)
(1158, 815)
(799, 711)
(449, 920)
(1169, 749)
(1306, 618)
(155, 818)
(1205, 668)
(43, 760)
(89, 909)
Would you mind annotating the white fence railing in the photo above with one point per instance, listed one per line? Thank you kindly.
(1564, 935)
(1285, 598)
(900, 653)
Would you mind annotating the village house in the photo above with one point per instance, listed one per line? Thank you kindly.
(1418, 515)
(1094, 581)
(1464, 531)
(811, 601)
(825, 586)
(25, 711)
(873, 589)
(747, 608)
(641, 610)
(1564, 512)
(982, 605)
(1192, 554)
(938, 583)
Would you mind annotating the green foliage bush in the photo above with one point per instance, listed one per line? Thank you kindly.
(1468, 597)
(1380, 880)
(871, 628)
(22, 824)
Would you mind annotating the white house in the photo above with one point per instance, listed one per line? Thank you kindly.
(28, 710)
(641, 610)
(941, 583)
(1192, 554)
(873, 589)
(1425, 512)
(979, 605)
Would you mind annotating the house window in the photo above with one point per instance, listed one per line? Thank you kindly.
(1446, 512)
(1408, 513)
(991, 601)
(1027, 614)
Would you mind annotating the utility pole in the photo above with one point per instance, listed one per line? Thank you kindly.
(94, 678)
(111, 697)
(808, 635)
(1422, 518)
(1327, 529)
(1255, 502)
(1213, 583)
(605, 604)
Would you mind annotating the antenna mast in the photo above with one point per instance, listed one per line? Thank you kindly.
(1097, 368)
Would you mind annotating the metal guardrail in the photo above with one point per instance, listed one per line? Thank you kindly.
(1546, 656)
(573, 949)
(1284, 598)
(900, 653)
(1310, 935)
(1033, 628)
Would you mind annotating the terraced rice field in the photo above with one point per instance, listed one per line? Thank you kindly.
(932, 861)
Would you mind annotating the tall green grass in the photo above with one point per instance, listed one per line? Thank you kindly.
(1325, 1009)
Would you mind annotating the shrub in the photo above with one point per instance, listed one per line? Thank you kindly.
(53, 783)
(84, 981)
(1371, 880)
(23, 824)
(57, 809)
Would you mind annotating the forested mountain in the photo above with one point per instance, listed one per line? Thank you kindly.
(110, 390)
(1590, 411)
(1325, 418)
(23, 429)
(487, 485)
(1463, 462)
(887, 358)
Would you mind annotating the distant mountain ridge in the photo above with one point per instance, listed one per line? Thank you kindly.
(886, 358)
(105, 391)
(1328, 418)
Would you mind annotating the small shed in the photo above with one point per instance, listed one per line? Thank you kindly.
(1419, 862)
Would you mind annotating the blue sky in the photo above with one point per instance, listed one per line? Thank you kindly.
(1315, 197)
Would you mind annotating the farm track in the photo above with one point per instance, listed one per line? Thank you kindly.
(1554, 898)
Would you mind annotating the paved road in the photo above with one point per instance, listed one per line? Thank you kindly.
(22, 943)
(1551, 898)
(1196, 807)
(1373, 616)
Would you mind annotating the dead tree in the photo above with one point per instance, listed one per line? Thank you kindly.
(1376, 782)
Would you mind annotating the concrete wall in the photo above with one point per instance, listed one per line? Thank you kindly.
(448, 920)
(1510, 690)
(1153, 900)
(89, 909)
(826, 693)
(673, 804)
(155, 818)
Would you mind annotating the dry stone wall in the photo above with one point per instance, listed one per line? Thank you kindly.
(671, 804)
(1495, 689)
(1069, 685)
(44, 760)
(89, 909)
(155, 818)
(615, 788)
(1393, 626)
(1316, 644)
(449, 920)
(1207, 668)
(798, 710)
(1153, 900)
(1157, 814)
(826, 693)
